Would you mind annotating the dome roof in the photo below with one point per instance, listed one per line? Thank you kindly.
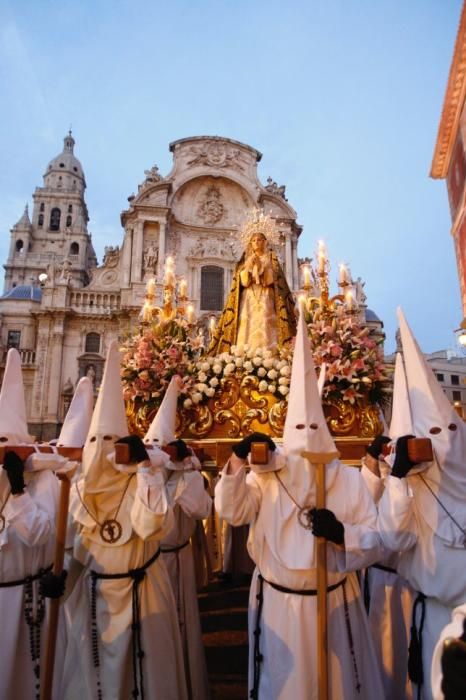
(371, 317)
(66, 161)
(24, 292)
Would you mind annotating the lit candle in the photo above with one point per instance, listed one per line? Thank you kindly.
(169, 278)
(146, 312)
(306, 276)
(321, 255)
(349, 297)
(212, 325)
(302, 302)
(190, 313)
(150, 287)
(342, 279)
(183, 288)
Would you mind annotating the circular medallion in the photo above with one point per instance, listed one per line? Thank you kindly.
(110, 531)
(305, 518)
(2, 523)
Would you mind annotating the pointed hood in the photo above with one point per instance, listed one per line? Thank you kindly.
(433, 416)
(321, 380)
(305, 425)
(78, 418)
(401, 422)
(109, 415)
(13, 421)
(162, 428)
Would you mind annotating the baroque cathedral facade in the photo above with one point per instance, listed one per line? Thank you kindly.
(61, 309)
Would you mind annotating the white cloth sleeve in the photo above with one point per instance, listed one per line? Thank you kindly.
(237, 497)
(192, 497)
(374, 483)
(396, 521)
(150, 512)
(33, 516)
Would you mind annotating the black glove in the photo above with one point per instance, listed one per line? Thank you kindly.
(243, 448)
(182, 450)
(402, 463)
(52, 586)
(376, 446)
(325, 524)
(137, 451)
(454, 668)
(14, 467)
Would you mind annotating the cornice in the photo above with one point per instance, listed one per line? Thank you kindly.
(452, 105)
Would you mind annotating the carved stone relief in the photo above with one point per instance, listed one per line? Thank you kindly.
(211, 208)
(216, 155)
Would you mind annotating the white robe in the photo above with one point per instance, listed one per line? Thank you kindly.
(145, 517)
(26, 546)
(279, 545)
(391, 602)
(190, 502)
(428, 562)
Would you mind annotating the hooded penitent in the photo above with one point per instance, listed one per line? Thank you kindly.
(162, 428)
(103, 484)
(401, 422)
(305, 431)
(433, 416)
(78, 418)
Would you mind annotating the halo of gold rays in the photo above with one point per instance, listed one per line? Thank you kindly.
(257, 221)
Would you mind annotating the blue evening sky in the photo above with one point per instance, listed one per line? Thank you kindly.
(342, 97)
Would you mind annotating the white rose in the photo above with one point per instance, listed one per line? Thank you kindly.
(284, 390)
(245, 347)
(202, 376)
(285, 371)
(199, 365)
(257, 361)
(197, 397)
(251, 354)
(268, 353)
(272, 374)
(283, 381)
(268, 362)
(187, 403)
(263, 386)
(217, 368)
(205, 366)
(201, 386)
(259, 352)
(261, 372)
(247, 366)
(238, 351)
(272, 388)
(239, 362)
(229, 369)
(210, 392)
(281, 363)
(214, 382)
(233, 349)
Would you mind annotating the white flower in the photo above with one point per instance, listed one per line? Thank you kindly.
(261, 372)
(214, 382)
(251, 354)
(259, 352)
(205, 366)
(283, 381)
(210, 392)
(187, 403)
(268, 354)
(257, 361)
(272, 374)
(367, 380)
(285, 371)
(272, 388)
(247, 366)
(237, 351)
(245, 347)
(202, 376)
(263, 386)
(199, 365)
(229, 369)
(217, 368)
(284, 390)
(201, 386)
(197, 397)
(233, 349)
(239, 362)
(268, 362)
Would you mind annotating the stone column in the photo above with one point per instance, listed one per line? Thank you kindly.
(288, 260)
(55, 369)
(162, 246)
(295, 263)
(137, 251)
(126, 258)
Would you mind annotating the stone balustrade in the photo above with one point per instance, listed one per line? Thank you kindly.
(95, 302)
(28, 357)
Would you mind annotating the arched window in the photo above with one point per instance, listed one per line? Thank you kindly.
(211, 288)
(40, 221)
(70, 208)
(92, 342)
(68, 220)
(19, 245)
(74, 248)
(42, 207)
(55, 219)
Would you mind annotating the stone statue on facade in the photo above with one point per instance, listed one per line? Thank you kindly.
(151, 256)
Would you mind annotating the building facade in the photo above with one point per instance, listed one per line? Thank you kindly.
(61, 310)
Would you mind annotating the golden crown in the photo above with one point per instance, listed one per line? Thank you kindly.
(259, 222)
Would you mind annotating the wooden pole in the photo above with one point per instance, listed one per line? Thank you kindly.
(54, 607)
(321, 556)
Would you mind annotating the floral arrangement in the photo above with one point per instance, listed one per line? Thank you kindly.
(353, 357)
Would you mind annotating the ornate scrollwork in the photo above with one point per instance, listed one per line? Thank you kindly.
(369, 423)
(203, 421)
(230, 394)
(277, 415)
(342, 419)
(253, 414)
(248, 385)
(226, 416)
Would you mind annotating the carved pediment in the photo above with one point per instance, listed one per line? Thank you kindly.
(211, 202)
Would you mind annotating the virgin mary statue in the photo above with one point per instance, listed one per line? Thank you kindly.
(260, 310)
